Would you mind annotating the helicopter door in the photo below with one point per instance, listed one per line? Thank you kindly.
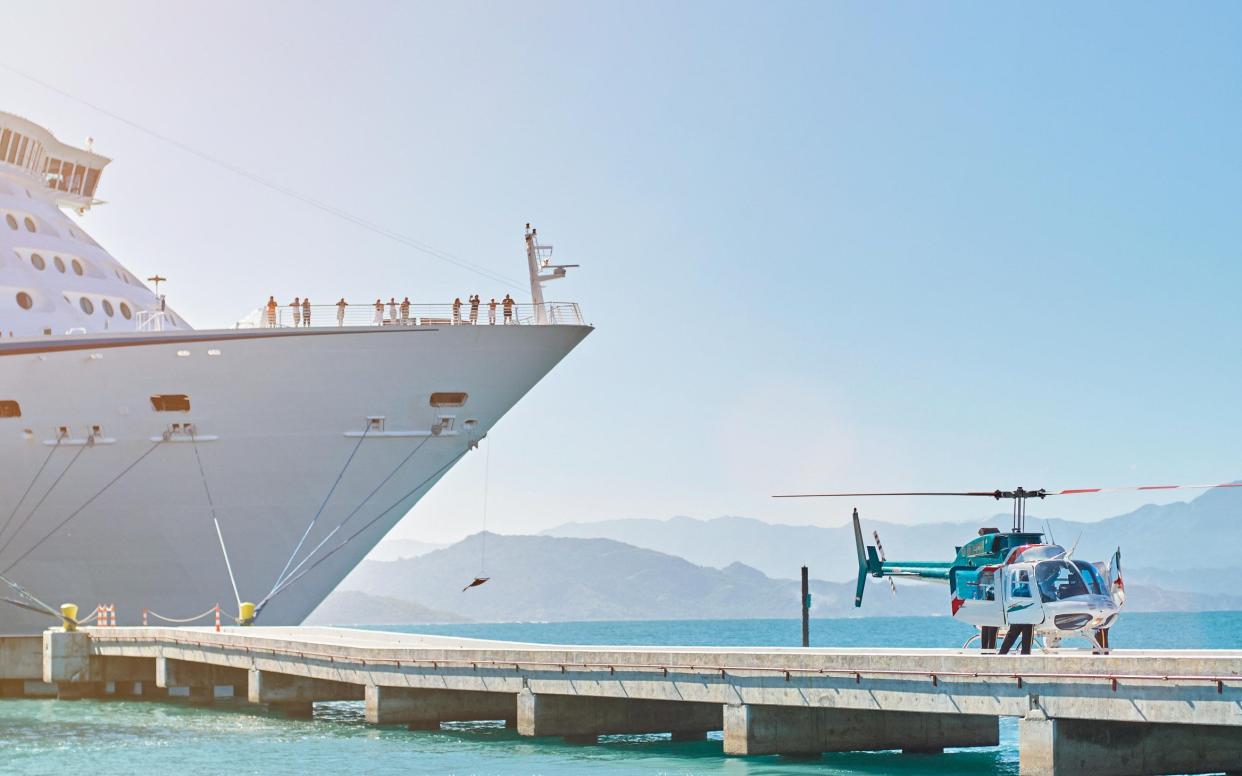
(1022, 605)
(1116, 588)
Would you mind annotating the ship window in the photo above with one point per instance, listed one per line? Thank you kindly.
(10, 220)
(4, 143)
(77, 267)
(30, 225)
(125, 311)
(24, 300)
(92, 180)
(448, 399)
(59, 262)
(10, 409)
(171, 402)
(38, 261)
(107, 308)
(88, 306)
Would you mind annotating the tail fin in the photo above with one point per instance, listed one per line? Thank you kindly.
(862, 561)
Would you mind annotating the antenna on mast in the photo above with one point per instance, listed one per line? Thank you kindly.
(539, 258)
(156, 279)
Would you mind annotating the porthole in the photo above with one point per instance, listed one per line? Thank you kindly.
(60, 264)
(24, 300)
(38, 261)
(126, 313)
(88, 306)
(77, 267)
(107, 308)
(30, 225)
(10, 220)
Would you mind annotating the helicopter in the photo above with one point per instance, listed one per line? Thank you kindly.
(1014, 584)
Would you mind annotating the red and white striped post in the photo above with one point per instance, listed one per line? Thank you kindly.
(217, 618)
(144, 616)
(111, 615)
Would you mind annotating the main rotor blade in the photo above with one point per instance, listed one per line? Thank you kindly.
(1133, 488)
(989, 494)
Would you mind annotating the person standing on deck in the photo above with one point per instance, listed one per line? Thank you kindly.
(457, 311)
(405, 311)
(271, 312)
(306, 311)
(340, 311)
(508, 305)
(474, 309)
(491, 311)
(392, 309)
(379, 312)
(297, 311)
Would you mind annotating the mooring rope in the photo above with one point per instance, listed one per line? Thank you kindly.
(35, 509)
(356, 509)
(80, 509)
(212, 505)
(293, 555)
(285, 585)
(23, 592)
(59, 436)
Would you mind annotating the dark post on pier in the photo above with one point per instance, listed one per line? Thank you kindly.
(806, 608)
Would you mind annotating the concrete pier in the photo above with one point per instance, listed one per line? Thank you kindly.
(1134, 712)
(583, 719)
(425, 709)
(757, 729)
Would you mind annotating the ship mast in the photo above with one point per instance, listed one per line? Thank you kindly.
(539, 258)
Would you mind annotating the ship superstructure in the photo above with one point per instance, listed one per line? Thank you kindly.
(156, 466)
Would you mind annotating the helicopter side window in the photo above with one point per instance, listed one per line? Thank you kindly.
(987, 586)
(1058, 580)
(1021, 587)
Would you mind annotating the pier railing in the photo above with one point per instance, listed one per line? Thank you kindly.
(287, 315)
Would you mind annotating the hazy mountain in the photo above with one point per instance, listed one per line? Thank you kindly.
(555, 578)
(1203, 532)
(352, 607)
(550, 578)
(395, 549)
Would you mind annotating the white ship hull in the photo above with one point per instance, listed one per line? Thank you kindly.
(276, 415)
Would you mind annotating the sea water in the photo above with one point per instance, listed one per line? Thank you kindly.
(230, 737)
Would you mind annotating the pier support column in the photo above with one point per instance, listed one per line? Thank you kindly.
(199, 679)
(796, 730)
(1058, 747)
(425, 709)
(269, 687)
(583, 719)
(67, 663)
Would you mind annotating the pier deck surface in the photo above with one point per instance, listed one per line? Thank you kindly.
(1076, 707)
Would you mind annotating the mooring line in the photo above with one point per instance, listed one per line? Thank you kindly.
(79, 510)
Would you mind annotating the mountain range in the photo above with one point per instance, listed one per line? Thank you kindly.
(1188, 546)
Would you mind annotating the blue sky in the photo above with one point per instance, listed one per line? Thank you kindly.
(826, 245)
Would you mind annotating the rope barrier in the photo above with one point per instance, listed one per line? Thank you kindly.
(178, 621)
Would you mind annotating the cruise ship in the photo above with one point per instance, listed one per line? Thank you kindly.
(164, 469)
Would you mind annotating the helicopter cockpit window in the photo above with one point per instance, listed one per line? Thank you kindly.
(1091, 575)
(1058, 580)
(1021, 587)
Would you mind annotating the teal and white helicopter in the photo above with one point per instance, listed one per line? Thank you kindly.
(1013, 584)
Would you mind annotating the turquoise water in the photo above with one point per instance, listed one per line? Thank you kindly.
(126, 737)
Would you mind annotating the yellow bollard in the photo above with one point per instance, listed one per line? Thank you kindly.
(69, 613)
(245, 615)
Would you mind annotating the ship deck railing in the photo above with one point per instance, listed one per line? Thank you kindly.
(362, 314)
